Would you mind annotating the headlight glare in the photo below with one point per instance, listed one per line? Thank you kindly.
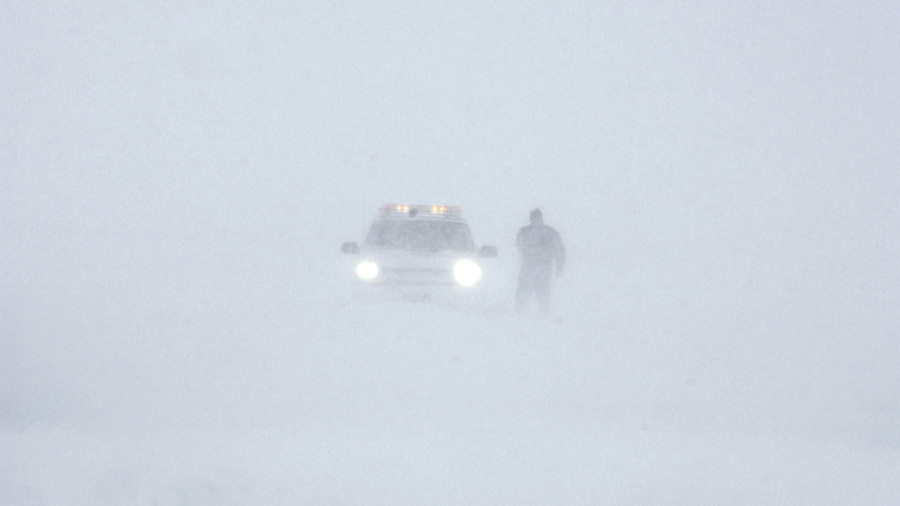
(466, 272)
(366, 270)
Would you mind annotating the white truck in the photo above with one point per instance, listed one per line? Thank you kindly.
(419, 250)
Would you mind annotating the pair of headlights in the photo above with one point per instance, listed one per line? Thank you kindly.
(466, 272)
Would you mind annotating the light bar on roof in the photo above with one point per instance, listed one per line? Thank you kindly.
(419, 208)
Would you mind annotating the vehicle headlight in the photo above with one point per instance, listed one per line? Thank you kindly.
(466, 272)
(366, 270)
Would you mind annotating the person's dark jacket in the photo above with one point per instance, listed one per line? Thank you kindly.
(541, 245)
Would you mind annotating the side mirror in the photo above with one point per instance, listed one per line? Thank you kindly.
(350, 248)
(487, 252)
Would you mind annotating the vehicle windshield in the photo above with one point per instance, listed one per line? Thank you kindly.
(430, 236)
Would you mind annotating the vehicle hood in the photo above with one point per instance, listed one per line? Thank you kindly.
(415, 260)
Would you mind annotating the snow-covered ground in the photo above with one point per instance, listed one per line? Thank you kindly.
(263, 382)
(176, 324)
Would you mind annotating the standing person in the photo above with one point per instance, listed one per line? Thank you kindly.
(541, 247)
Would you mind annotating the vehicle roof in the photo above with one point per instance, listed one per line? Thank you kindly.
(420, 212)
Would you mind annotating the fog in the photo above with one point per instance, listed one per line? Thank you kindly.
(177, 322)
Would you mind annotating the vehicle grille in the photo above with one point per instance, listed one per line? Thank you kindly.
(410, 276)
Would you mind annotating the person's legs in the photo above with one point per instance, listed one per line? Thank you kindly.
(534, 279)
(542, 290)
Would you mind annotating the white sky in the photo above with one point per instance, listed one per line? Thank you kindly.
(714, 142)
